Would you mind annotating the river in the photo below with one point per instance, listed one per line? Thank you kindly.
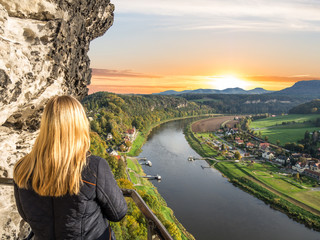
(206, 204)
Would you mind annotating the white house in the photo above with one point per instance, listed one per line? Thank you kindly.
(268, 155)
(109, 136)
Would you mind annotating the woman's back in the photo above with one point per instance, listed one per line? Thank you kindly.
(60, 191)
(81, 216)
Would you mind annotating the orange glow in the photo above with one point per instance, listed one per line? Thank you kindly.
(130, 82)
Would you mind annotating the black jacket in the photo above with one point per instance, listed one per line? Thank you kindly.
(82, 216)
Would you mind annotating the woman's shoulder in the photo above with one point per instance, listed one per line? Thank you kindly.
(96, 163)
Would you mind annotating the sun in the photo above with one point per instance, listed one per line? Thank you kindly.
(228, 81)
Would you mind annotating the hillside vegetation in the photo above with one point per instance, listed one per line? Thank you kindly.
(312, 107)
(112, 113)
(247, 104)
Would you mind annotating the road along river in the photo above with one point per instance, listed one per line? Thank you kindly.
(206, 204)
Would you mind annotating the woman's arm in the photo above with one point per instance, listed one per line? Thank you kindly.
(109, 195)
(18, 203)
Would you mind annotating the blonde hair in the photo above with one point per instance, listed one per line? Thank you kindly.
(54, 165)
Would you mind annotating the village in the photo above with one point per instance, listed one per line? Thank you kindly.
(234, 143)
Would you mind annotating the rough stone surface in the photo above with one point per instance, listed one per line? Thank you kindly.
(43, 52)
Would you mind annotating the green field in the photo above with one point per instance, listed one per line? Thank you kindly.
(273, 128)
(289, 186)
(285, 135)
(272, 121)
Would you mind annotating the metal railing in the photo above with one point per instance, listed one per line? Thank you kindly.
(154, 226)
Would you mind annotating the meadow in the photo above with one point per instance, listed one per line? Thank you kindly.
(289, 132)
(284, 193)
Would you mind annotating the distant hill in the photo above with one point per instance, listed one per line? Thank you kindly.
(302, 88)
(215, 91)
(312, 107)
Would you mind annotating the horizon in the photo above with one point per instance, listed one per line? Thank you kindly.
(172, 45)
(91, 90)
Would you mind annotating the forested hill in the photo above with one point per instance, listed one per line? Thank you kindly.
(112, 113)
(302, 88)
(312, 107)
(247, 104)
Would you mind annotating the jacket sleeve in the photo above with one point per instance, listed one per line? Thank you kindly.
(18, 203)
(109, 195)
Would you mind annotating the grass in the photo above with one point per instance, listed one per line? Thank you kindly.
(285, 135)
(273, 128)
(269, 175)
(137, 144)
(196, 143)
(311, 198)
(272, 121)
(239, 175)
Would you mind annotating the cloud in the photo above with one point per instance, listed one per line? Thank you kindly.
(105, 73)
(258, 15)
(277, 79)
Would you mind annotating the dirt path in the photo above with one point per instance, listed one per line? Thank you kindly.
(290, 199)
(211, 124)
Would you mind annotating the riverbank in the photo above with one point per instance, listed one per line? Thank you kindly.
(242, 179)
(148, 191)
(155, 201)
(142, 136)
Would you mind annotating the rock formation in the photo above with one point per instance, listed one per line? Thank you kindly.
(43, 52)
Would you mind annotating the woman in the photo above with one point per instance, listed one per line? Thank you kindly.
(61, 191)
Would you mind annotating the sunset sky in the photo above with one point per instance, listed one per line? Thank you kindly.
(155, 45)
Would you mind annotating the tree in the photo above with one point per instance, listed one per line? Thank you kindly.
(278, 142)
(266, 138)
(315, 136)
(300, 148)
(222, 147)
(307, 136)
(237, 155)
(122, 148)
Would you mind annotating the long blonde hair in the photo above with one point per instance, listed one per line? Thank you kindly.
(54, 165)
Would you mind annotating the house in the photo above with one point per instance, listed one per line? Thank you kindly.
(239, 142)
(312, 174)
(250, 145)
(282, 159)
(268, 155)
(296, 155)
(131, 131)
(299, 167)
(109, 137)
(264, 146)
(315, 167)
(112, 152)
(237, 138)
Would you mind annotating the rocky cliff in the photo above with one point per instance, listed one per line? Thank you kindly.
(43, 52)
